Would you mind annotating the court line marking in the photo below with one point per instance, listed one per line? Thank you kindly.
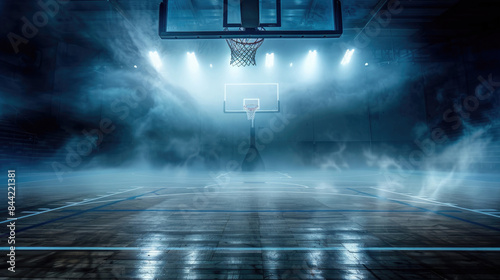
(344, 249)
(284, 174)
(291, 184)
(212, 185)
(77, 213)
(428, 210)
(242, 183)
(223, 174)
(286, 192)
(441, 203)
(66, 206)
(267, 211)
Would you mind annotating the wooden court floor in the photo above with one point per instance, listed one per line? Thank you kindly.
(272, 225)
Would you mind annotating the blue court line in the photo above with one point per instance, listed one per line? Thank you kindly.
(357, 249)
(427, 210)
(78, 213)
(265, 211)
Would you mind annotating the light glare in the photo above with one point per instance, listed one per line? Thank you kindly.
(269, 59)
(347, 57)
(155, 60)
(192, 61)
(311, 60)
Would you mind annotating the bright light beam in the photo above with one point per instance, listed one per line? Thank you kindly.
(269, 60)
(347, 57)
(155, 60)
(311, 62)
(311, 57)
(192, 61)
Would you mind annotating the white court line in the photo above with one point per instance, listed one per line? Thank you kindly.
(440, 203)
(291, 184)
(74, 204)
(284, 174)
(29, 212)
(312, 249)
(208, 186)
(242, 183)
(223, 174)
(286, 192)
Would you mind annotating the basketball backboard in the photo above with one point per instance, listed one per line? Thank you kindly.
(215, 19)
(266, 95)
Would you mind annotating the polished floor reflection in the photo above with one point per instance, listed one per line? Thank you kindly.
(273, 225)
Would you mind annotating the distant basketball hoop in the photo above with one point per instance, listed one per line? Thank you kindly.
(251, 105)
(244, 50)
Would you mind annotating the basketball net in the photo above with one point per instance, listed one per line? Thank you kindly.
(243, 50)
(251, 110)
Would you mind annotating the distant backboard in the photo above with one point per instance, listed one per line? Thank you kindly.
(237, 95)
(215, 19)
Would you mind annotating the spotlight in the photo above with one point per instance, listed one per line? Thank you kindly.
(366, 64)
(155, 60)
(311, 60)
(135, 66)
(269, 59)
(291, 64)
(347, 57)
(192, 61)
(211, 66)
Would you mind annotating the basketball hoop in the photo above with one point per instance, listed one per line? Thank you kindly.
(251, 106)
(243, 50)
(251, 112)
